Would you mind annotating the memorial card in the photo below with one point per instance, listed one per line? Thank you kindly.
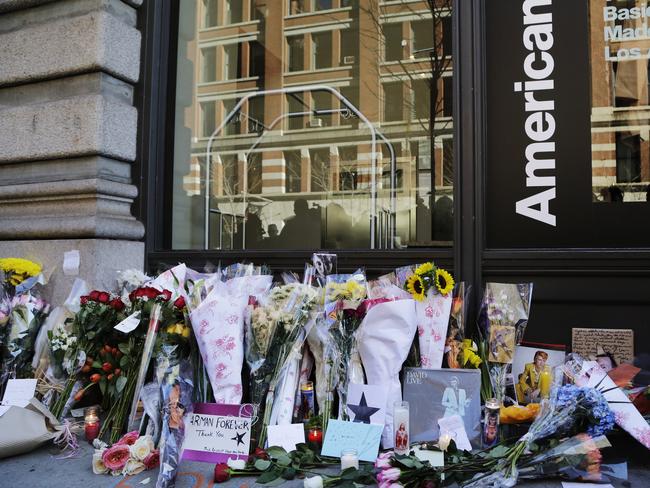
(215, 433)
(438, 393)
(616, 344)
(341, 435)
(367, 404)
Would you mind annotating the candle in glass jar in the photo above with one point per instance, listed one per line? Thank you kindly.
(349, 459)
(91, 423)
(315, 435)
(401, 427)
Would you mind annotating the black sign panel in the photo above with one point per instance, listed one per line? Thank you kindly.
(538, 168)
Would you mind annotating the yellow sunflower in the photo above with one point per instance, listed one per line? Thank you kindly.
(415, 287)
(424, 269)
(444, 281)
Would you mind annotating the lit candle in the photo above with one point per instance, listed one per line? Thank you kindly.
(315, 435)
(91, 423)
(349, 459)
(545, 384)
(401, 427)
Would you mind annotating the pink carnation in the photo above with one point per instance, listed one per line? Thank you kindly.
(152, 460)
(115, 457)
(129, 438)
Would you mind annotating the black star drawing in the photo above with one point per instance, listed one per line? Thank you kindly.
(363, 412)
(239, 437)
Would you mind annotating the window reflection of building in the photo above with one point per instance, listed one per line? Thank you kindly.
(377, 55)
(620, 109)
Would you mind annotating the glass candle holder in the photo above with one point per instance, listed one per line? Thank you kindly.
(91, 423)
(401, 427)
(315, 434)
(349, 459)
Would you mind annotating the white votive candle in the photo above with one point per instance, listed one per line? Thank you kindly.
(349, 459)
(401, 427)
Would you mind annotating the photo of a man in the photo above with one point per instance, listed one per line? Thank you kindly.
(532, 371)
(454, 399)
(529, 381)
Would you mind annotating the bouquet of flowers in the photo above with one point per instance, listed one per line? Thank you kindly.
(22, 313)
(80, 348)
(218, 323)
(502, 319)
(344, 311)
(431, 288)
(130, 455)
(277, 329)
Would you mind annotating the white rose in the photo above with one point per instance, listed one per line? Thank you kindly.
(236, 463)
(133, 467)
(314, 482)
(443, 441)
(142, 447)
(98, 464)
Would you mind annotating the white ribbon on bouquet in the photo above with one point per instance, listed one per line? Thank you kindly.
(384, 340)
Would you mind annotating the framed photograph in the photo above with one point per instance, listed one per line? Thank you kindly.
(438, 393)
(532, 369)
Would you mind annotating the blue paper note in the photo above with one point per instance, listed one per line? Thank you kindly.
(343, 435)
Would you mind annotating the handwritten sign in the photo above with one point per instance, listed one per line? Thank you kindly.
(19, 392)
(286, 436)
(341, 435)
(618, 342)
(215, 433)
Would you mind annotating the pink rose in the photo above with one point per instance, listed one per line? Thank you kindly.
(152, 460)
(128, 439)
(383, 460)
(115, 457)
(388, 475)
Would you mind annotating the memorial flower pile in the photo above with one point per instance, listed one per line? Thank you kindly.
(130, 455)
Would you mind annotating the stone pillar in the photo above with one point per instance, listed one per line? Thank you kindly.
(68, 132)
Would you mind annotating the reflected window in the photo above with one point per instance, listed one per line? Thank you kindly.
(421, 93)
(298, 6)
(320, 159)
(209, 64)
(423, 38)
(233, 126)
(348, 172)
(208, 118)
(323, 4)
(296, 54)
(296, 105)
(256, 60)
(255, 115)
(232, 61)
(448, 96)
(349, 40)
(293, 164)
(393, 101)
(210, 13)
(234, 11)
(447, 36)
(393, 50)
(254, 173)
(322, 50)
(322, 105)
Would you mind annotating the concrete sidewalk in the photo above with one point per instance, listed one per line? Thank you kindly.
(41, 469)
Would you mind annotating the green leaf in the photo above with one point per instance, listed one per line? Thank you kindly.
(498, 452)
(268, 477)
(284, 460)
(102, 385)
(97, 364)
(289, 474)
(120, 384)
(90, 335)
(276, 452)
(124, 361)
(262, 464)
(124, 347)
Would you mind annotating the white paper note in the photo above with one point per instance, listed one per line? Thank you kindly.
(435, 458)
(71, 263)
(286, 436)
(571, 484)
(19, 392)
(130, 323)
(4, 409)
(453, 425)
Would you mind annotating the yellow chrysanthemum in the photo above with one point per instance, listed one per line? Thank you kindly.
(415, 287)
(444, 281)
(424, 269)
(19, 269)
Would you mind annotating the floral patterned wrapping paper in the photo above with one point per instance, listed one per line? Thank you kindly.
(218, 324)
(433, 318)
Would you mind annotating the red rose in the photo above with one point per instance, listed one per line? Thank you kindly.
(103, 297)
(145, 292)
(93, 295)
(179, 303)
(152, 460)
(166, 295)
(83, 299)
(95, 378)
(221, 473)
(117, 304)
(260, 453)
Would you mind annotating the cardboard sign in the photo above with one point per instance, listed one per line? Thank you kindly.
(215, 433)
(341, 435)
(618, 342)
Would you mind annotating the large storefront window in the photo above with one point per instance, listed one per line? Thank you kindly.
(620, 116)
(319, 125)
